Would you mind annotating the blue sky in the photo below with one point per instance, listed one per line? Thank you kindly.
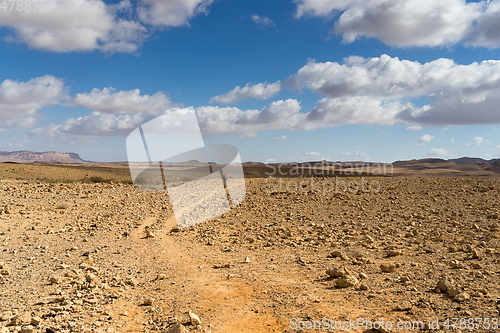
(380, 80)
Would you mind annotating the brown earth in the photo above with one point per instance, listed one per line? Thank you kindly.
(81, 250)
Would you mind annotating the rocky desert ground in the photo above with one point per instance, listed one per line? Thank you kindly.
(82, 250)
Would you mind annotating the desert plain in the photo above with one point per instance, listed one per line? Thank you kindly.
(83, 250)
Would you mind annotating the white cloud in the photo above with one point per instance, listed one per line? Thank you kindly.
(229, 120)
(74, 25)
(91, 127)
(438, 152)
(312, 153)
(213, 121)
(458, 94)
(171, 13)
(108, 100)
(283, 137)
(498, 147)
(19, 101)
(425, 139)
(414, 128)
(358, 154)
(263, 21)
(476, 142)
(259, 91)
(405, 23)
(363, 156)
(487, 29)
(87, 25)
(355, 110)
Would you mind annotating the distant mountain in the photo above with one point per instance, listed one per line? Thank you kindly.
(463, 160)
(26, 156)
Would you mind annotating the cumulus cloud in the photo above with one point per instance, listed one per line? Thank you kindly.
(20, 101)
(358, 154)
(406, 23)
(438, 152)
(91, 127)
(414, 128)
(171, 13)
(425, 139)
(458, 94)
(476, 142)
(263, 21)
(312, 153)
(87, 25)
(283, 114)
(74, 25)
(259, 91)
(381, 90)
(108, 100)
(355, 110)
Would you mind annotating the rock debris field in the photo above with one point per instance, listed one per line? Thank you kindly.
(106, 257)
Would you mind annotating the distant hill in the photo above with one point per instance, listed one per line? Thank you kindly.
(463, 160)
(26, 156)
(426, 167)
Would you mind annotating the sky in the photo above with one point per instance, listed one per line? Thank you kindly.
(282, 80)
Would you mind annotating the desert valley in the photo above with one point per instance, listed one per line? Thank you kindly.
(82, 250)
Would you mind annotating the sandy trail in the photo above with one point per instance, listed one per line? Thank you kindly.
(228, 303)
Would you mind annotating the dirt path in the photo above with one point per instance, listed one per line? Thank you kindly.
(225, 303)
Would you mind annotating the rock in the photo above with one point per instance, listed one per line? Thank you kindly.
(21, 319)
(462, 297)
(346, 281)
(337, 272)
(5, 315)
(177, 328)
(455, 264)
(247, 260)
(150, 234)
(195, 320)
(394, 253)
(475, 254)
(404, 306)
(338, 254)
(388, 268)
(444, 284)
(404, 278)
(363, 286)
(27, 329)
(477, 266)
(62, 205)
(35, 321)
(4, 271)
(452, 292)
(161, 277)
(91, 278)
(363, 276)
(148, 302)
(131, 282)
(56, 280)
